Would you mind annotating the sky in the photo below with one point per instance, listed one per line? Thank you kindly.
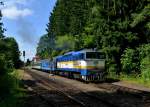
(26, 20)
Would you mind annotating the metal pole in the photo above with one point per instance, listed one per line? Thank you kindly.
(24, 63)
(24, 59)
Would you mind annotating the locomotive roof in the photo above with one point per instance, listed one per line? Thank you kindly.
(76, 53)
(81, 51)
(72, 53)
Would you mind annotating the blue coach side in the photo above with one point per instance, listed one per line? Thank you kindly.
(47, 65)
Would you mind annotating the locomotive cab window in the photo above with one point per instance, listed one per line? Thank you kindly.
(95, 55)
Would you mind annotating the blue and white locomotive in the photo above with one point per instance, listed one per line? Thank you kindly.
(88, 65)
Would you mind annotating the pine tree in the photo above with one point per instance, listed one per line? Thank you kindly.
(1, 27)
(108, 25)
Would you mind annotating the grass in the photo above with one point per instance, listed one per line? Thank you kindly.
(135, 79)
(11, 92)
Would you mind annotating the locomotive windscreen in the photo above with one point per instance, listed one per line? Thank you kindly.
(95, 55)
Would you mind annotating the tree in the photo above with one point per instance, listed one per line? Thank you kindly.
(65, 43)
(1, 26)
(109, 25)
(28, 62)
(12, 49)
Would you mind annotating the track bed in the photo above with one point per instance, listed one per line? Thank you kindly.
(81, 94)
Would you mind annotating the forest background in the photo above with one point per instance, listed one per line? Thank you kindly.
(120, 28)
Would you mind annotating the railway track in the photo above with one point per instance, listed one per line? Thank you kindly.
(125, 90)
(122, 89)
(52, 96)
(85, 99)
(93, 99)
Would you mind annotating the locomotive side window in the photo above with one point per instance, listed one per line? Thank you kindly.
(95, 55)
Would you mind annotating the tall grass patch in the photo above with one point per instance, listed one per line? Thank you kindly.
(145, 69)
(11, 93)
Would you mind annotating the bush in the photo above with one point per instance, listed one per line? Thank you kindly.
(145, 68)
(11, 93)
(130, 61)
(6, 82)
(144, 50)
(3, 65)
(5, 79)
(144, 57)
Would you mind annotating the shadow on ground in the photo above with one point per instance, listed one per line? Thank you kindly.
(116, 99)
(107, 80)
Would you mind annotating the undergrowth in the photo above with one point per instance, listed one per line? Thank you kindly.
(11, 94)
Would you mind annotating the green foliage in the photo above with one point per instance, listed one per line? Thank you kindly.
(3, 67)
(11, 92)
(148, 25)
(9, 51)
(12, 54)
(9, 59)
(137, 60)
(140, 22)
(65, 43)
(28, 63)
(89, 41)
(144, 56)
(45, 46)
(142, 16)
(6, 85)
(117, 27)
(145, 68)
(1, 27)
(144, 51)
(56, 53)
(129, 60)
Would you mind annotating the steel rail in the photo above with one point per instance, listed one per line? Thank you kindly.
(40, 80)
(106, 102)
